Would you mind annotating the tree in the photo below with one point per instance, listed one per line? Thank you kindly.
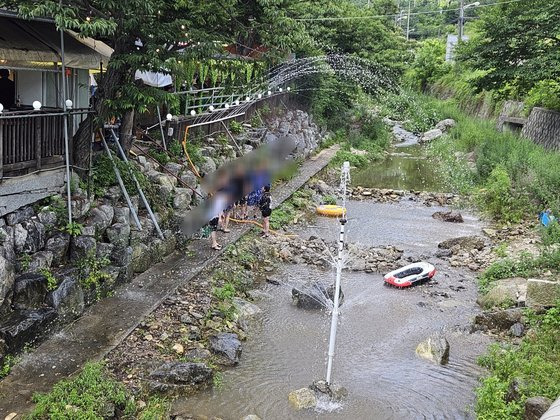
(152, 35)
(517, 44)
(429, 63)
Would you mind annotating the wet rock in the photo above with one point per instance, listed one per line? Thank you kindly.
(443, 253)
(101, 217)
(314, 295)
(81, 246)
(7, 278)
(180, 376)
(448, 216)
(503, 293)
(431, 135)
(338, 392)
(24, 326)
(245, 309)
(58, 245)
(435, 349)
(446, 124)
(517, 330)
(197, 354)
(227, 346)
(30, 291)
(497, 320)
(542, 293)
(19, 216)
(463, 242)
(119, 234)
(303, 398)
(334, 391)
(404, 136)
(535, 407)
(67, 299)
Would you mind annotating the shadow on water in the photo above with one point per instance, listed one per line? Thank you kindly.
(406, 168)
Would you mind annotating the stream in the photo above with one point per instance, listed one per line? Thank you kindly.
(379, 330)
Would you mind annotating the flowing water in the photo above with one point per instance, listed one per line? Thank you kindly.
(406, 168)
(379, 330)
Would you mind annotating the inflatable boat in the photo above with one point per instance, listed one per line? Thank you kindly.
(331, 210)
(411, 274)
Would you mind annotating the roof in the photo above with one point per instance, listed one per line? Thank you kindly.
(36, 44)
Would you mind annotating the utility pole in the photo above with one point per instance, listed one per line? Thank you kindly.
(408, 21)
(461, 18)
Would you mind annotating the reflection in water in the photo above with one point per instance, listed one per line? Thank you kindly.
(406, 170)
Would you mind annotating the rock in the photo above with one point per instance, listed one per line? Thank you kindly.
(29, 236)
(119, 234)
(443, 253)
(182, 199)
(19, 216)
(178, 376)
(140, 260)
(503, 293)
(186, 319)
(189, 178)
(446, 124)
(463, 242)
(448, 216)
(333, 391)
(251, 417)
(25, 326)
(314, 295)
(227, 346)
(245, 309)
(58, 245)
(208, 165)
(122, 215)
(178, 348)
(81, 246)
(81, 205)
(403, 136)
(121, 257)
(47, 217)
(303, 398)
(197, 354)
(30, 291)
(542, 293)
(535, 407)
(498, 320)
(431, 135)
(517, 329)
(7, 277)
(435, 349)
(174, 168)
(489, 232)
(39, 261)
(67, 299)
(323, 187)
(104, 250)
(101, 217)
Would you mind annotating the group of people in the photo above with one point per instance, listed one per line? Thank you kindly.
(235, 194)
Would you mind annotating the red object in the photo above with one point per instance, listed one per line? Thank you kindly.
(68, 72)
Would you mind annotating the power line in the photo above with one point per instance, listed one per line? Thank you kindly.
(394, 15)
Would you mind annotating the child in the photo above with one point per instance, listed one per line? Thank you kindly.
(266, 211)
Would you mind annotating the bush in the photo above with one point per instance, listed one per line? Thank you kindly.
(418, 113)
(545, 93)
(498, 198)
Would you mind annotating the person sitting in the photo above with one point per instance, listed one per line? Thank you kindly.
(7, 89)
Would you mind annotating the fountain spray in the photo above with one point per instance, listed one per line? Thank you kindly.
(344, 180)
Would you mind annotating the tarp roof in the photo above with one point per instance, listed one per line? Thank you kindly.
(30, 43)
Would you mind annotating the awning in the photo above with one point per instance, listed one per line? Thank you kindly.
(154, 79)
(35, 42)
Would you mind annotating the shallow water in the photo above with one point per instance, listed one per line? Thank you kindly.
(406, 168)
(379, 330)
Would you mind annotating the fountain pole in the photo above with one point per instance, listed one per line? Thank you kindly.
(345, 178)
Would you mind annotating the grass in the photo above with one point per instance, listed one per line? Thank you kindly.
(533, 366)
(93, 394)
(6, 365)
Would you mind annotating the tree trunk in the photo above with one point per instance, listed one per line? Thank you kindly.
(126, 133)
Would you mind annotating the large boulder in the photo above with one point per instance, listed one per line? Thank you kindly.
(7, 245)
(119, 234)
(29, 236)
(19, 216)
(67, 299)
(82, 246)
(48, 217)
(25, 326)
(122, 215)
(30, 291)
(435, 349)
(189, 178)
(58, 245)
(81, 205)
(245, 309)
(208, 165)
(463, 242)
(542, 293)
(227, 346)
(535, 407)
(503, 293)
(448, 216)
(182, 199)
(501, 320)
(180, 377)
(7, 278)
(446, 124)
(303, 398)
(121, 256)
(39, 261)
(140, 257)
(314, 295)
(430, 135)
(101, 217)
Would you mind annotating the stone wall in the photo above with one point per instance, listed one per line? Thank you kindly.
(543, 127)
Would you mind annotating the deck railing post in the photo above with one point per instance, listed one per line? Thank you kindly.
(38, 141)
(1, 149)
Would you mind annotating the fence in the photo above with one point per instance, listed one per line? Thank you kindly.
(33, 141)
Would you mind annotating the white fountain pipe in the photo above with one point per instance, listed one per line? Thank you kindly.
(345, 177)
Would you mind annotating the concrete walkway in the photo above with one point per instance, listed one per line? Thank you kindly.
(107, 323)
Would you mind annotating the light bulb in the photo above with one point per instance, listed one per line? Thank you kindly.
(226, 106)
(1, 108)
(169, 117)
(36, 105)
(259, 95)
(211, 108)
(68, 103)
(193, 112)
(288, 88)
(237, 102)
(279, 89)
(88, 18)
(247, 99)
(269, 92)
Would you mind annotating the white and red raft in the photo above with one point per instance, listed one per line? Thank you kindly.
(410, 274)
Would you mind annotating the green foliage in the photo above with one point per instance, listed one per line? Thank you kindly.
(91, 272)
(329, 199)
(550, 235)
(176, 150)
(498, 198)
(235, 127)
(73, 228)
(24, 261)
(160, 156)
(224, 293)
(418, 114)
(6, 365)
(533, 365)
(218, 380)
(52, 281)
(88, 395)
(429, 64)
(545, 93)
